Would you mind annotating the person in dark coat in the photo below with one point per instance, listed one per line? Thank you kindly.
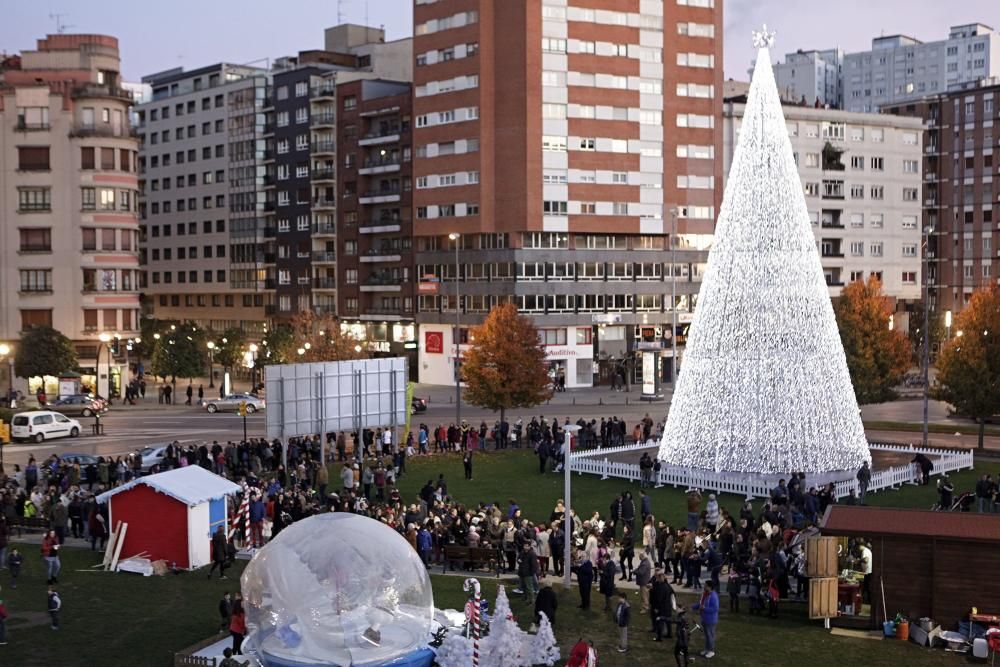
(220, 552)
(585, 577)
(225, 611)
(546, 603)
(607, 583)
(661, 606)
(683, 634)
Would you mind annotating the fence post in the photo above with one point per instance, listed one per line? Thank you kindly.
(605, 475)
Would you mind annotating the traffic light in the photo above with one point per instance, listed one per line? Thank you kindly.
(114, 345)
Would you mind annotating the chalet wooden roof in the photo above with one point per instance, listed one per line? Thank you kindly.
(851, 520)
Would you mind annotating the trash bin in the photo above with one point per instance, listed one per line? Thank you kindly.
(903, 630)
(889, 628)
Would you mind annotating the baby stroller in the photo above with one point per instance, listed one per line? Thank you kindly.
(963, 503)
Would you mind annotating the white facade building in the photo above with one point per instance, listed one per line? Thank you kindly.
(862, 176)
(813, 75)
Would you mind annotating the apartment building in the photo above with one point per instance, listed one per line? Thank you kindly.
(375, 224)
(961, 192)
(302, 176)
(814, 77)
(901, 69)
(572, 147)
(202, 173)
(69, 200)
(862, 177)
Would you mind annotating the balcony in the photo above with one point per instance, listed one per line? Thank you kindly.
(323, 174)
(23, 126)
(325, 309)
(384, 196)
(931, 148)
(388, 285)
(323, 203)
(382, 166)
(102, 90)
(834, 282)
(270, 309)
(323, 147)
(34, 207)
(832, 224)
(379, 256)
(931, 176)
(324, 257)
(388, 136)
(322, 119)
(380, 226)
(833, 253)
(324, 283)
(102, 130)
(324, 229)
(323, 90)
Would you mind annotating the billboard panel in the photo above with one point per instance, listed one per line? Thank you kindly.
(324, 397)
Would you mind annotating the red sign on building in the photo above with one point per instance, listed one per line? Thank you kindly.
(433, 342)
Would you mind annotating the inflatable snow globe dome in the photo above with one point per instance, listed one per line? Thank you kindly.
(338, 589)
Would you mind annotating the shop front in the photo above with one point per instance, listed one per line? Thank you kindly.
(386, 339)
(569, 354)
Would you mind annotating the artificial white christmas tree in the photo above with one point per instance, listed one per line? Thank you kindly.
(544, 650)
(763, 384)
(454, 651)
(507, 645)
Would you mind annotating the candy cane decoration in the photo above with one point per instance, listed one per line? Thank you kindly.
(243, 511)
(472, 583)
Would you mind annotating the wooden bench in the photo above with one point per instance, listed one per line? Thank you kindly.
(471, 557)
(30, 523)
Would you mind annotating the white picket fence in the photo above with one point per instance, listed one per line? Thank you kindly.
(757, 486)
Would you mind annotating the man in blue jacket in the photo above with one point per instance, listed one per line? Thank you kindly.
(709, 608)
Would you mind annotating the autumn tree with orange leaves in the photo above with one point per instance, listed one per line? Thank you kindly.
(505, 367)
(968, 368)
(877, 356)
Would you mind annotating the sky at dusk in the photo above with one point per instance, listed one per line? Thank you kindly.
(194, 33)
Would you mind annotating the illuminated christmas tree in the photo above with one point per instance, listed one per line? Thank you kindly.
(763, 384)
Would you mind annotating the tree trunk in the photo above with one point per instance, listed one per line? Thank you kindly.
(982, 430)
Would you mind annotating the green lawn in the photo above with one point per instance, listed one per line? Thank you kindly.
(120, 619)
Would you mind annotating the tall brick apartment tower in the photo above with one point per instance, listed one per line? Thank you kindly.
(563, 140)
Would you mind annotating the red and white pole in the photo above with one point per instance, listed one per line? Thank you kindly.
(472, 583)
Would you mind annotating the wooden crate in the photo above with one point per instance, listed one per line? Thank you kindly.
(821, 557)
(823, 597)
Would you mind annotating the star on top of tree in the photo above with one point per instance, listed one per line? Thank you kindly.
(763, 38)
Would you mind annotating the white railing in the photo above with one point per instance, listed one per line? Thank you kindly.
(595, 462)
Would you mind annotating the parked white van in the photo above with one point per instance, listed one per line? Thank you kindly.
(39, 425)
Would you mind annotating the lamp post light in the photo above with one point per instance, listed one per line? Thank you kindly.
(927, 231)
(455, 236)
(947, 324)
(211, 364)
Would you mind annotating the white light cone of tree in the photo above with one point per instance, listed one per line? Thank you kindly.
(764, 386)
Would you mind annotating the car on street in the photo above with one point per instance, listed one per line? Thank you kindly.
(232, 402)
(83, 459)
(41, 425)
(79, 405)
(418, 405)
(152, 455)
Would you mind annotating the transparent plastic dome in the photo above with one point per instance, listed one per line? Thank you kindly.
(337, 589)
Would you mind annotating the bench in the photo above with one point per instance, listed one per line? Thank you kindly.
(30, 523)
(471, 557)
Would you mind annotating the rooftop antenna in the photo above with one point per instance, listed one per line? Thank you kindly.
(340, 12)
(60, 26)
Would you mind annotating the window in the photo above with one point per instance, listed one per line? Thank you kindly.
(857, 191)
(553, 207)
(552, 45)
(588, 144)
(36, 280)
(35, 318)
(812, 189)
(858, 162)
(910, 194)
(552, 336)
(33, 158)
(88, 199)
(350, 103)
(857, 219)
(909, 250)
(878, 164)
(553, 143)
(34, 199)
(87, 157)
(857, 248)
(909, 277)
(875, 249)
(877, 192)
(36, 240)
(875, 220)
(911, 166)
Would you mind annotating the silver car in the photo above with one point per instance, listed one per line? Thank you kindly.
(232, 402)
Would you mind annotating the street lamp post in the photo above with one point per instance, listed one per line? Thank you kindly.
(927, 329)
(104, 338)
(253, 369)
(211, 364)
(673, 300)
(454, 236)
(571, 431)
